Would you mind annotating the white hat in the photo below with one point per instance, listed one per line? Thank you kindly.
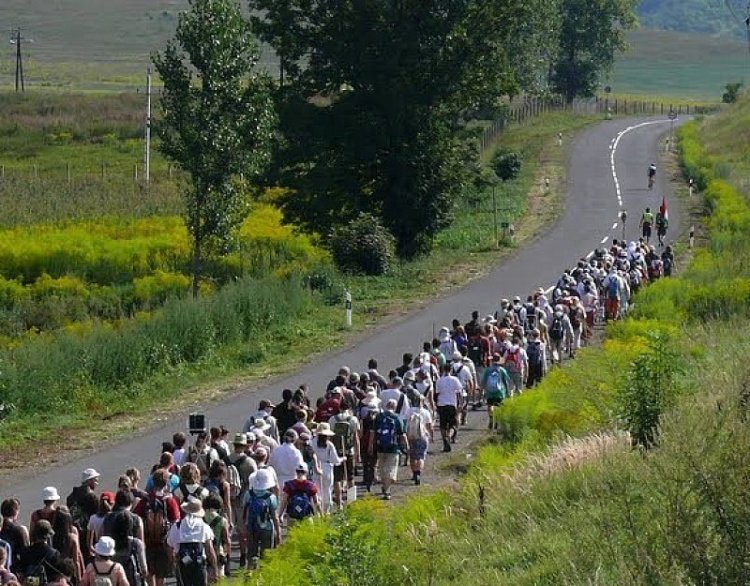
(490, 319)
(240, 439)
(324, 429)
(261, 425)
(302, 467)
(250, 437)
(263, 480)
(105, 547)
(457, 356)
(409, 375)
(50, 494)
(193, 506)
(88, 474)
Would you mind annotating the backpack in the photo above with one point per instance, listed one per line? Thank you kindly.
(475, 353)
(104, 578)
(534, 352)
(513, 359)
(385, 432)
(556, 330)
(79, 516)
(191, 553)
(415, 426)
(299, 505)
(613, 289)
(530, 316)
(494, 386)
(37, 574)
(258, 512)
(200, 460)
(635, 278)
(217, 526)
(213, 487)
(236, 484)
(343, 440)
(455, 372)
(155, 522)
(129, 563)
(187, 495)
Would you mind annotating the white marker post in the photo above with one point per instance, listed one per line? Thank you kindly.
(348, 309)
(690, 187)
(692, 236)
(559, 139)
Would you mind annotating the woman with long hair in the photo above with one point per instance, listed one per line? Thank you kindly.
(65, 540)
(130, 552)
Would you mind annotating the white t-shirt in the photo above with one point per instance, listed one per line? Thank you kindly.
(448, 389)
(460, 371)
(426, 419)
(191, 529)
(285, 460)
(178, 456)
(394, 394)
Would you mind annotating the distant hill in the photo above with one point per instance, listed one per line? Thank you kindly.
(721, 17)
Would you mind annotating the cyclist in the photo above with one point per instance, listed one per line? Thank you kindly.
(651, 175)
(647, 220)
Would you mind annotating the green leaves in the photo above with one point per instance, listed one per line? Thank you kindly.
(591, 32)
(217, 120)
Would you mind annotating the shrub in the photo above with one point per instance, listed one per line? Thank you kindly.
(732, 93)
(363, 246)
(506, 164)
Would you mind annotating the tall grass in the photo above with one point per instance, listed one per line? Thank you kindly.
(589, 510)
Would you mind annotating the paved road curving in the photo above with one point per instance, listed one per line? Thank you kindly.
(590, 216)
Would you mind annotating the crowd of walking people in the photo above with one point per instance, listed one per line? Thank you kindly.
(215, 491)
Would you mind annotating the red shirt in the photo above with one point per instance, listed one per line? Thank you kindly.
(297, 484)
(170, 505)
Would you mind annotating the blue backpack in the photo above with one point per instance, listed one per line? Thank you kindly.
(299, 505)
(534, 352)
(613, 289)
(258, 512)
(385, 432)
(494, 386)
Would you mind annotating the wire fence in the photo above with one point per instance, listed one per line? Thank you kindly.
(529, 108)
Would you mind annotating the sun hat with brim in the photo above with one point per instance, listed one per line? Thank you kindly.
(301, 468)
(49, 493)
(335, 391)
(263, 480)
(261, 425)
(497, 358)
(409, 375)
(324, 429)
(193, 507)
(89, 474)
(240, 439)
(105, 547)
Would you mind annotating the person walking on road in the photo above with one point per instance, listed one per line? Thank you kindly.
(390, 441)
(448, 398)
(647, 221)
(495, 382)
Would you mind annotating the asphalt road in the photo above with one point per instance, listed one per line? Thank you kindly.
(590, 218)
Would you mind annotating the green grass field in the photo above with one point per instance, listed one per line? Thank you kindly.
(679, 65)
(104, 45)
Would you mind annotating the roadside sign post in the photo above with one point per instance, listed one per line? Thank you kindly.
(692, 236)
(690, 187)
(348, 309)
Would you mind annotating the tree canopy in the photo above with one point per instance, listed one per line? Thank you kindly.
(217, 119)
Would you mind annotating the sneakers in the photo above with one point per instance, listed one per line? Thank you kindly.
(446, 446)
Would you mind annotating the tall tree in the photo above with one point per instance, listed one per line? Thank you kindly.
(217, 120)
(391, 81)
(591, 32)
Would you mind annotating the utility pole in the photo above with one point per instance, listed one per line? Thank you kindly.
(19, 60)
(147, 154)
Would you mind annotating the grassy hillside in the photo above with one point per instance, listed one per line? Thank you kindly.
(537, 508)
(105, 45)
(694, 16)
(677, 64)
